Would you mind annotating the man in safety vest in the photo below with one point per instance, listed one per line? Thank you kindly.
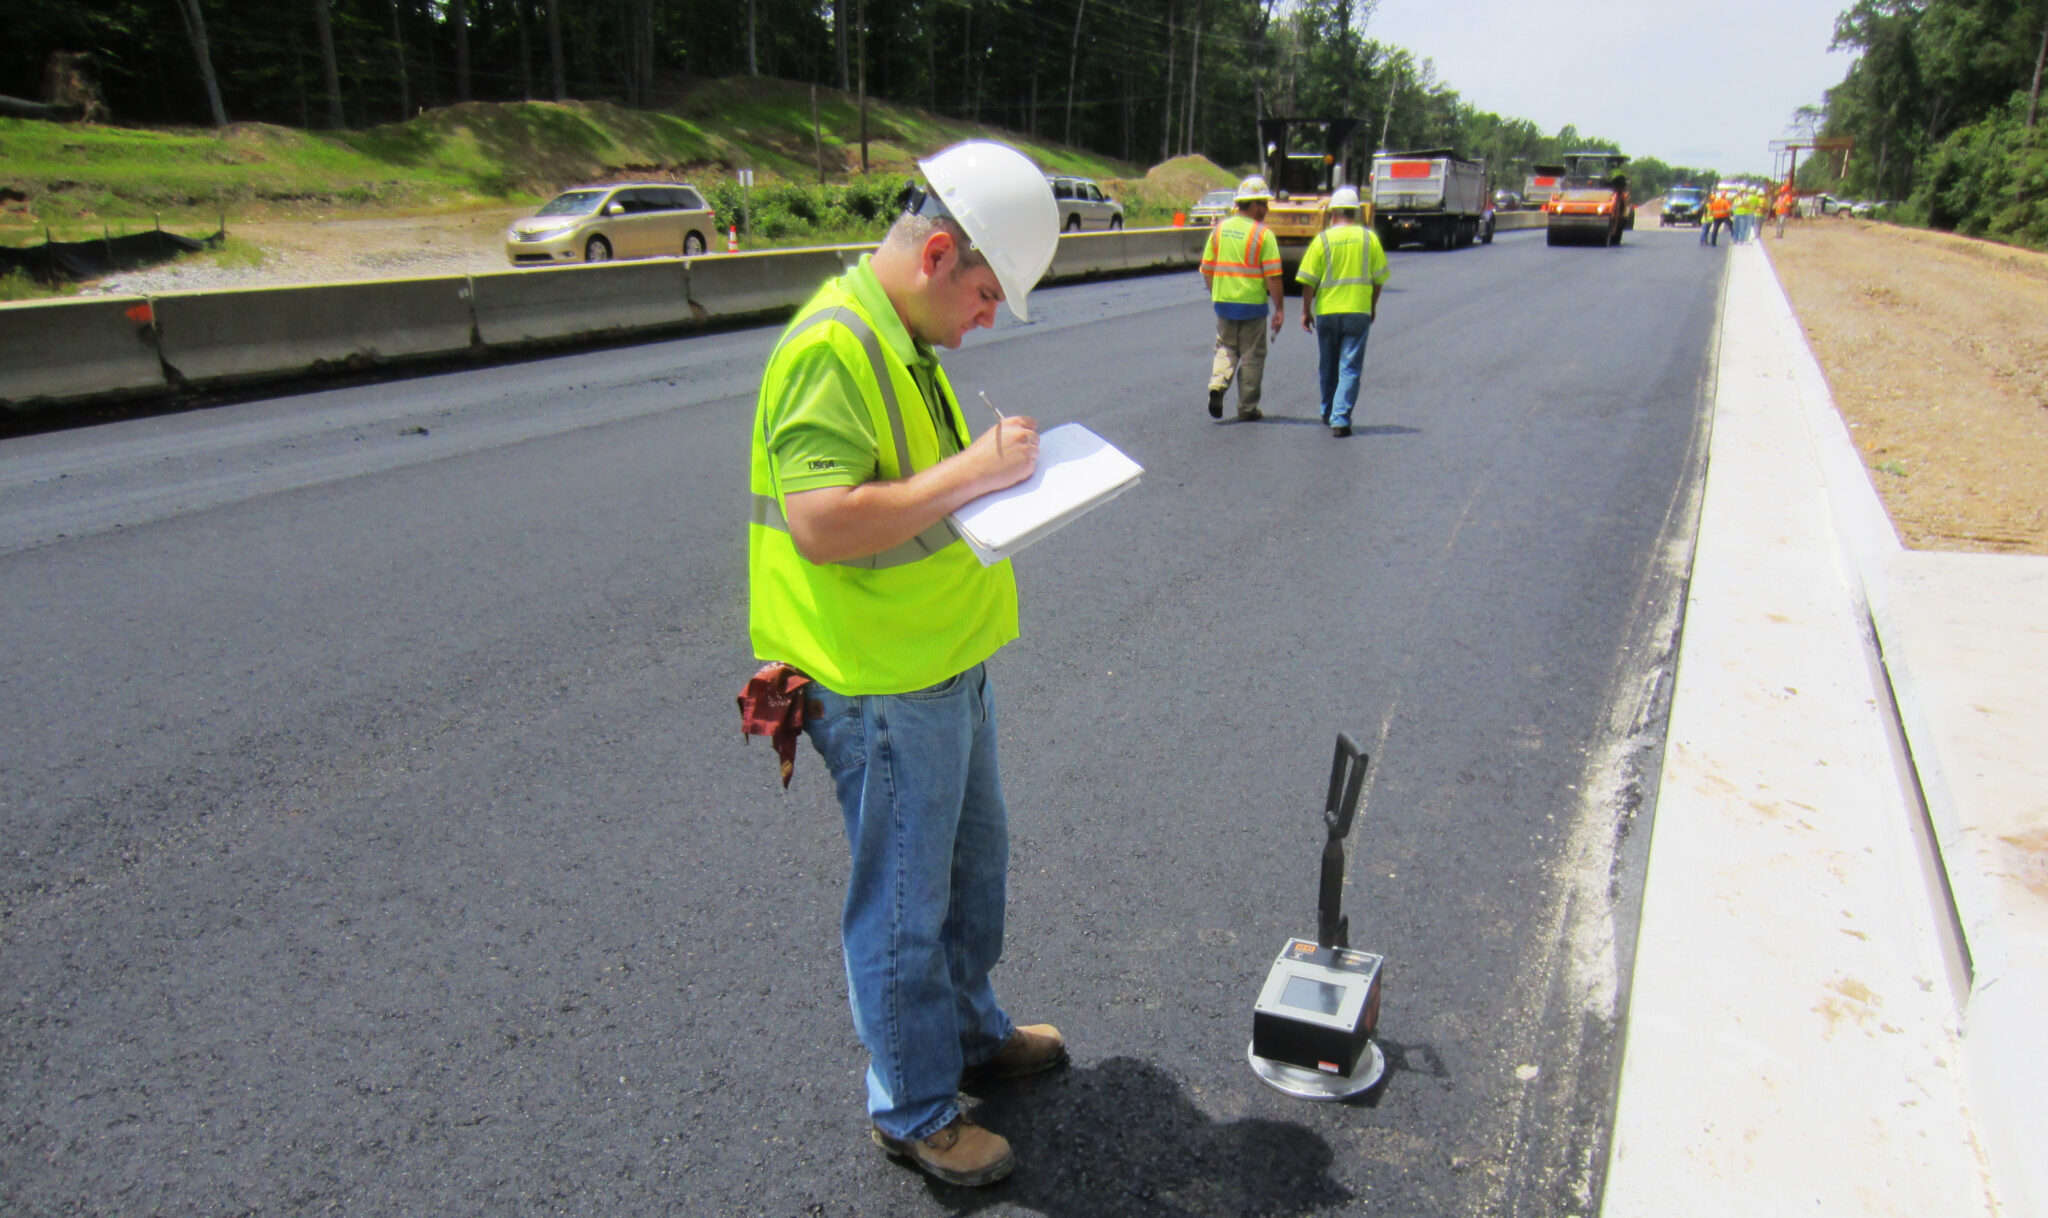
(1241, 265)
(877, 619)
(1719, 209)
(1749, 211)
(1341, 276)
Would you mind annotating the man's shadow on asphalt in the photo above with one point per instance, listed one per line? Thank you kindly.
(1120, 1138)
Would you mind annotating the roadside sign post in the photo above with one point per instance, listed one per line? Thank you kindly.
(746, 192)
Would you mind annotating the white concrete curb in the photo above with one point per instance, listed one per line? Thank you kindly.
(1964, 645)
(1791, 1047)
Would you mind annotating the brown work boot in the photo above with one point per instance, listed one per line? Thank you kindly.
(961, 1153)
(1028, 1051)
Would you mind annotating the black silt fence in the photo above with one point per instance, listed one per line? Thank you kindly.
(56, 261)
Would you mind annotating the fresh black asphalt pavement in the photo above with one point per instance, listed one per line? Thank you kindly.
(379, 837)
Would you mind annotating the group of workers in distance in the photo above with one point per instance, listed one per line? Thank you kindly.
(875, 621)
(1341, 275)
(1742, 210)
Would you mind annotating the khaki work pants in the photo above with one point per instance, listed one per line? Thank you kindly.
(1240, 352)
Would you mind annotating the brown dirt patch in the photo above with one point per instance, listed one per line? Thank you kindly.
(458, 243)
(1936, 350)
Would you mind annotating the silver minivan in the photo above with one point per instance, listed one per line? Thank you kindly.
(1083, 205)
(623, 220)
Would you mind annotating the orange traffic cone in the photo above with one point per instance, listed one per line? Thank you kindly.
(732, 239)
(1180, 219)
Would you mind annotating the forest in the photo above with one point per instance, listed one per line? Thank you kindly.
(1138, 80)
(1943, 103)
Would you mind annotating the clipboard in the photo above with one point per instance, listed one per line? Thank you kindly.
(1078, 471)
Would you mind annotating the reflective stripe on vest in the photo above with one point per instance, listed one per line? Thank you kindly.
(931, 541)
(1248, 266)
(891, 623)
(767, 509)
(1240, 279)
(1342, 294)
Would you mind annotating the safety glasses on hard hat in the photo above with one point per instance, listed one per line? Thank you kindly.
(918, 199)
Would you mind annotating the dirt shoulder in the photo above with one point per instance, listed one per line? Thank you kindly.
(1936, 350)
(316, 250)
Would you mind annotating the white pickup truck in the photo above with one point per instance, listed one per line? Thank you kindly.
(1433, 197)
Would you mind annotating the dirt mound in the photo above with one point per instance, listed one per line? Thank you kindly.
(1171, 185)
(1192, 176)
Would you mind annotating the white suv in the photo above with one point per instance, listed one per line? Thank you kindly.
(1083, 205)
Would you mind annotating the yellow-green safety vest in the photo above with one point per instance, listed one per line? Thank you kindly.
(1235, 259)
(897, 621)
(1339, 265)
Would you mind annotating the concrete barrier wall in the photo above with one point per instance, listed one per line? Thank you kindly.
(255, 332)
(78, 349)
(514, 308)
(850, 255)
(1153, 248)
(1082, 254)
(1509, 221)
(744, 285)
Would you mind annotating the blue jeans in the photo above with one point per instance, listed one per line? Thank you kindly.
(1340, 337)
(923, 923)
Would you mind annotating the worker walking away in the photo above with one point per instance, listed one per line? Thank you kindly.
(876, 621)
(1341, 276)
(1787, 200)
(1241, 265)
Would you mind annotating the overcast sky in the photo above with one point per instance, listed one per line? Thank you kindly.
(1701, 84)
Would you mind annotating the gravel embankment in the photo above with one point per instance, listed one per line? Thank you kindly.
(326, 251)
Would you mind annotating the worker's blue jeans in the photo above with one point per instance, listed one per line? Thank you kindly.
(1340, 337)
(923, 923)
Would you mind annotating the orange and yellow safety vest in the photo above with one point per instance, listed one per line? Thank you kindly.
(1241, 255)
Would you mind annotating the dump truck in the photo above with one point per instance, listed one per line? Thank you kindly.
(1591, 206)
(1541, 183)
(1432, 197)
(1305, 161)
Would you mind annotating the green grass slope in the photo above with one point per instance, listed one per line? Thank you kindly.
(73, 178)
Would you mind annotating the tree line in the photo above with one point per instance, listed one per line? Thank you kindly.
(1139, 80)
(1943, 103)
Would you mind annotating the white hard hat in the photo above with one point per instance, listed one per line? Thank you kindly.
(1005, 206)
(1344, 198)
(1253, 190)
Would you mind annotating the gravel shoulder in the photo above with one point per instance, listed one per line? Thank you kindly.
(327, 250)
(1935, 346)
